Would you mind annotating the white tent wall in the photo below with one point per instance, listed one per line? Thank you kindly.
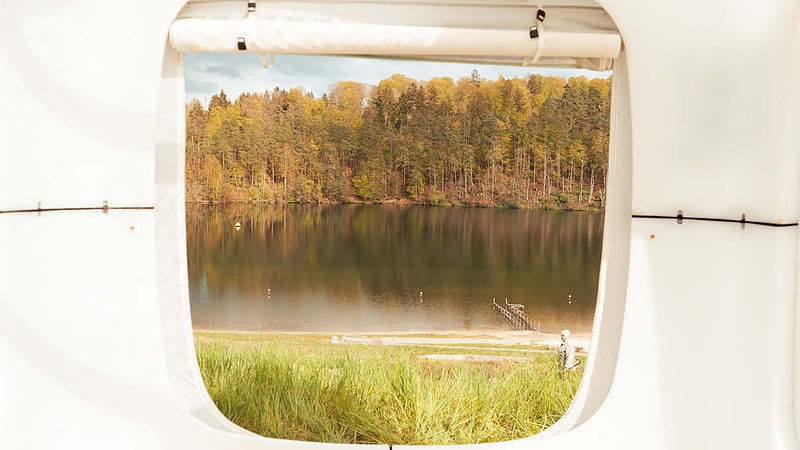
(613, 276)
(694, 344)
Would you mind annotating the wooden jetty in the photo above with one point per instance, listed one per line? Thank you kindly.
(514, 313)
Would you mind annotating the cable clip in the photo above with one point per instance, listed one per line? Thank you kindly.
(533, 32)
(537, 32)
(680, 216)
(251, 7)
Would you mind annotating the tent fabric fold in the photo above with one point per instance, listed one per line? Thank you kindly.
(498, 33)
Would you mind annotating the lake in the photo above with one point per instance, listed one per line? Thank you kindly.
(389, 268)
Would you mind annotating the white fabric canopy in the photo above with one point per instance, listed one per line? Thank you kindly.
(498, 33)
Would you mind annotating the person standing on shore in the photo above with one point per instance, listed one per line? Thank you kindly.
(566, 352)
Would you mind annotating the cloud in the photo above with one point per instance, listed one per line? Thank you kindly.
(195, 86)
(225, 71)
(237, 73)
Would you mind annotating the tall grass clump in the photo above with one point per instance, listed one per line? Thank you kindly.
(316, 391)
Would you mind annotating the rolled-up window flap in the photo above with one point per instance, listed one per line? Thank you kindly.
(198, 34)
(579, 32)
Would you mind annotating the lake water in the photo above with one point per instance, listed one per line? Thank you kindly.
(361, 268)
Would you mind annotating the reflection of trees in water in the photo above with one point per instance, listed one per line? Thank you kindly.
(450, 252)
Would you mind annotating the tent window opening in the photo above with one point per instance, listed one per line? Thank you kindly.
(329, 303)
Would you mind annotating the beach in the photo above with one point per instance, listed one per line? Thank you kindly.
(504, 338)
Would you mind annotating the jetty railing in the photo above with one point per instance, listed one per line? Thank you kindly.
(514, 314)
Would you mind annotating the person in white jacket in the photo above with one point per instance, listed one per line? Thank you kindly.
(566, 352)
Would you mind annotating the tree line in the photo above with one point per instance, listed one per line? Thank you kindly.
(537, 142)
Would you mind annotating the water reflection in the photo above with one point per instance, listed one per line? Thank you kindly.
(361, 268)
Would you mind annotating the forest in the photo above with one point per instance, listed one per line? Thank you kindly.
(538, 142)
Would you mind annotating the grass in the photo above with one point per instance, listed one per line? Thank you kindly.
(302, 387)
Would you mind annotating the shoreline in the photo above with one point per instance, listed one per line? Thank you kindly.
(397, 202)
(582, 341)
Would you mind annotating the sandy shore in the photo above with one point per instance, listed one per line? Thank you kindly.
(582, 341)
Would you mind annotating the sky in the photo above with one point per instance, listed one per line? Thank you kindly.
(207, 73)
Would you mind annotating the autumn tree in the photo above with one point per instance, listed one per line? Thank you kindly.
(537, 142)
